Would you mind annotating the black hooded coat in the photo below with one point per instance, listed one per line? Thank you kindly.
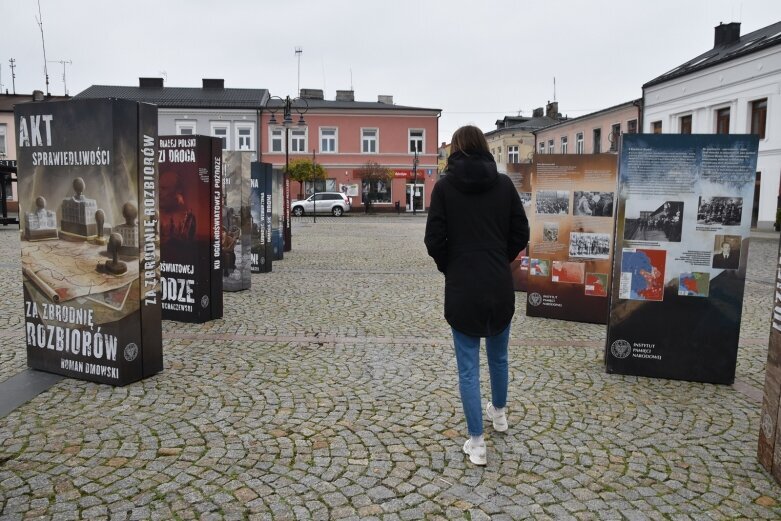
(476, 226)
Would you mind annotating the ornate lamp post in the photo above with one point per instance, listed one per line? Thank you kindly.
(287, 107)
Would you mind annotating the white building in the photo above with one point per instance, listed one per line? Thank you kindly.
(734, 88)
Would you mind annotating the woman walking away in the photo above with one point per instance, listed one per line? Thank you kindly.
(476, 226)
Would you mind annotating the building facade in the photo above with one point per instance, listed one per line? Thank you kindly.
(346, 136)
(592, 133)
(732, 88)
(512, 141)
(212, 110)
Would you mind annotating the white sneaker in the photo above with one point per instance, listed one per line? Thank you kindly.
(476, 453)
(499, 419)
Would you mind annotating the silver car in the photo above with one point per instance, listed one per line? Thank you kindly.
(335, 203)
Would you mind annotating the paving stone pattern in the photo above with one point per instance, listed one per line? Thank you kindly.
(330, 392)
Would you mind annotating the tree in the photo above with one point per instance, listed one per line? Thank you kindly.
(302, 170)
(372, 171)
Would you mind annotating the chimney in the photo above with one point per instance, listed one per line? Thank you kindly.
(727, 34)
(552, 110)
(150, 83)
(37, 95)
(311, 94)
(537, 113)
(345, 95)
(213, 83)
(388, 100)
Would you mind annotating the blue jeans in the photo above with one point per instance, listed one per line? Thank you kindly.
(468, 359)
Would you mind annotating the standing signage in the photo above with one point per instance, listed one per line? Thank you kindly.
(236, 221)
(570, 260)
(521, 175)
(277, 214)
(769, 452)
(261, 204)
(286, 224)
(88, 196)
(190, 227)
(682, 235)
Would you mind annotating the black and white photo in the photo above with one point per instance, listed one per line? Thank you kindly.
(526, 199)
(550, 232)
(594, 204)
(727, 211)
(589, 245)
(649, 220)
(555, 202)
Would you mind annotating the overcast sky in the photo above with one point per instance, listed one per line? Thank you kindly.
(476, 60)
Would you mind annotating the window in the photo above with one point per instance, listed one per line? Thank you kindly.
(685, 124)
(185, 128)
(512, 154)
(327, 140)
(415, 141)
(499, 154)
(579, 146)
(376, 191)
(3, 144)
(759, 117)
(563, 144)
(277, 140)
(369, 140)
(220, 130)
(656, 127)
(245, 139)
(631, 126)
(722, 121)
(597, 140)
(550, 146)
(542, 147)
(615, 133)
(298, 140)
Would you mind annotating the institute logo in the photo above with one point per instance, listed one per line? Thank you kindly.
(131, 352)
(535, 299)
(621, 349)
(205, 301)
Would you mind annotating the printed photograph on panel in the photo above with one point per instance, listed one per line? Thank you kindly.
(642, 274)
(694, 284)
(539, 267)
(568, 272)
(525, 263)
(594, 204)
(589, 245)
(727, 211)
(596, 284)
(726, 252)
(550, 232)
(526, 199)
(555, 202)
(649, 220)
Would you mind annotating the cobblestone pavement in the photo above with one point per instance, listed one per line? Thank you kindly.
(330, 392)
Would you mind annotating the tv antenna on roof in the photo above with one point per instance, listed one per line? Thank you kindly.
(299, 50)
(554, 88)
(64, 63)
(164, 75)
(13, 74)
(39, 19)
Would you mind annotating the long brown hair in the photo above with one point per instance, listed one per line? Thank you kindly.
(468, 139)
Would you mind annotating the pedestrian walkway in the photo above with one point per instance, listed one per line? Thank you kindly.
(329, 391)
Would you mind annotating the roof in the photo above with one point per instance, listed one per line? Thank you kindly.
(747, 44)
(354, 105)
(529, 125)
(8, 101)
(182, 97)
(592, 114)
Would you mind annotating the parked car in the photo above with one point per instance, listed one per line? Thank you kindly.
(335, 203)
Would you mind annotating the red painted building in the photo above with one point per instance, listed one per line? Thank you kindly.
(345, 135)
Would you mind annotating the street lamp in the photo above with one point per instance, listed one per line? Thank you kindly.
(414, 180)
(287, 106)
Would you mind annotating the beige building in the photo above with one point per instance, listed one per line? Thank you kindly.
(590, 134)
(513, 140)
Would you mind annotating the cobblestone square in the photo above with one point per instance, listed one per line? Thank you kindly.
(329, 391)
